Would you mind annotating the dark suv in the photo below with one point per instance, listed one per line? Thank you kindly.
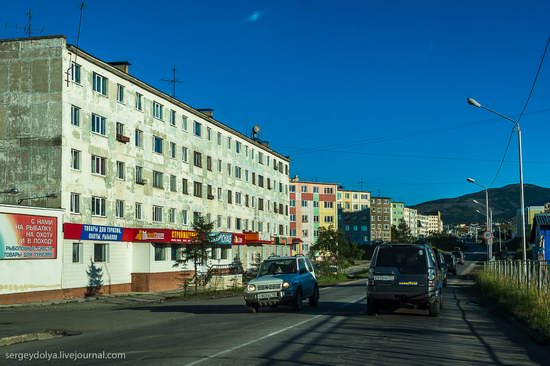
(402, 274)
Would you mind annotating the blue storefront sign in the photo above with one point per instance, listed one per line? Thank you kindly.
(99, 232)
(222, 238)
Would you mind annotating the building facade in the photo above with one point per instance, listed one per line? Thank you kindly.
(124, 159)
(397, 213)
(312, 205)
(409, 215)
(381, 210)
(354, 215)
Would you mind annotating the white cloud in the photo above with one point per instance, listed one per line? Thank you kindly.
(254, 16)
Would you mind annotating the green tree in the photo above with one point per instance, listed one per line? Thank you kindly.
(95, 279)
(196, 251)
(401, 233)
(335, 249)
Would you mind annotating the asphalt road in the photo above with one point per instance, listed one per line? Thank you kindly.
(220, 332)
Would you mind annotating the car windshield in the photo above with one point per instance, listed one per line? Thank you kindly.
(408, 260)
(448, 258)
(277, 266)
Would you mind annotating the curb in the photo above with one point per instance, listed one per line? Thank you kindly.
(7, 341)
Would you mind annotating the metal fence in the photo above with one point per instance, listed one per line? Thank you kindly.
(528, 274)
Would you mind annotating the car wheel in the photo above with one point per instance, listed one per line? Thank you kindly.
(252, 308)
(434, 308)
(298, 303)
(372, 308)
(314, 299)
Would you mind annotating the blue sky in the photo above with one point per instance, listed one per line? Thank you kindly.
(353, 91)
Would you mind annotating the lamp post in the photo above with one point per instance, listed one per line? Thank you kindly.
(49, 195)
(475, 103)
(487, 221)
(490, 225)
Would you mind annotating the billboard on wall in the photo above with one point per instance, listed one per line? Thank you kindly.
(27, 236)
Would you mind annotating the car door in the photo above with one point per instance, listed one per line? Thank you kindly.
(305, 276)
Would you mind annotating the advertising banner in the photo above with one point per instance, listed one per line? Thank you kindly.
(222, 238)
(28, 237)
(93, 232)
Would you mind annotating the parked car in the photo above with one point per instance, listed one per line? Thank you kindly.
(282, 281)
(459, 256)
(404, 274)
(441, 264)
(450, 259)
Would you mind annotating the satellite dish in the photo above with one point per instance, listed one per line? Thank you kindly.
(256, 129)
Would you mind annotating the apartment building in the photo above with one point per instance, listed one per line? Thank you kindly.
(312, 205)
(354, 215)
(130, 166)
(397, 213)
(409, 215)
(381, 211)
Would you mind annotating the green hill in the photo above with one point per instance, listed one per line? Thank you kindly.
(503, 201)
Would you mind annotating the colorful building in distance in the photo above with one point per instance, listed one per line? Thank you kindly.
(354, 215)
(381, 208)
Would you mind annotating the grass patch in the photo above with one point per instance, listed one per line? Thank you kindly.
(528, 304)
(332, 279)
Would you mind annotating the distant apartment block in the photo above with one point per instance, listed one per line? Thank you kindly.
(354, 215)
(381, 208)
(312, 205)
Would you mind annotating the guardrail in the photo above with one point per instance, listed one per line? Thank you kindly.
(523, 274)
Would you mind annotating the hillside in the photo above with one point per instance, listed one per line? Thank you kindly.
(503, 201)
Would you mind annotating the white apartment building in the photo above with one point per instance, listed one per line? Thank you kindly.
(409, 215)
(130, 166)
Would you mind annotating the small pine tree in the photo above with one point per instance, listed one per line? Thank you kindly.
(196, 251)
(95, 279)
(401, 233)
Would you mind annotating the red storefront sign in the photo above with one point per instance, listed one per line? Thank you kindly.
(27, 236)
(136, 235)
(239, 239)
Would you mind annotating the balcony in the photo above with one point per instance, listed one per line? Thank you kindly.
(122, 138)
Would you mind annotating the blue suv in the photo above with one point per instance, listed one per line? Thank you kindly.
(282, 281)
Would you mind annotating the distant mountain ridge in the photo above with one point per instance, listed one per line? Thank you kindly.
(503, 201)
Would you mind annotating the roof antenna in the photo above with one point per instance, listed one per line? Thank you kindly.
(70, 70)
(173, 81)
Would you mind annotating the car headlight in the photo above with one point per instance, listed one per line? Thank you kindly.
(286, 284)
(251, 288)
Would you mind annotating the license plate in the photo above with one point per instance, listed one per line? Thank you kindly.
(384, 278)
(267, 295)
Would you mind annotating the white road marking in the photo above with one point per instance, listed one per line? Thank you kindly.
(271, 334)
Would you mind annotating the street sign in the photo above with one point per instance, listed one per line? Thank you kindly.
(488, 235)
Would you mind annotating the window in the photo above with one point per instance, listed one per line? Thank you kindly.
(119, 129)
(219, 138)
(260, 180)
(315, 189)
(98, 124)
(120, 93)
(237, 147)
(119, 209)
(292, 217)
(329, 204)
(75, 202)
(197, 128)
(101, 252)
(75, 73)
(98, 206)
(238, 172)
(197, 159)
(197, 189)
(229, 196)
(138, 211)
(75, 159)
(228, 222)
(157, 110)
(238, 222)
(329, 219)
(220, 195)
(120, 171)
(304, 189)
(75, 116)
(184, 123)
(139, 138)
(229, 142)
(100, 84)
(139, 102)
(238, 198)
(77, 252)
(260, 204)
(157, 179)
(305, 219)
(328, 190)
(304, 203)
(157, 144)
(98, 165)
(185, 188)
(173, 183)
(292, 188)
(185, 154)
(160, 252)
(172, 118)
(219, 221)
(229, 169)
(292, 203)
(209, 163)
(157, 213)
(208, 133)
(172, 215)
(172, 150)
(184, 217)
(139, 175)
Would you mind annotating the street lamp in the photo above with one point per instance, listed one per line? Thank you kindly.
(487, 222)
(11, 190)
(475, 103)
(49, 195)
